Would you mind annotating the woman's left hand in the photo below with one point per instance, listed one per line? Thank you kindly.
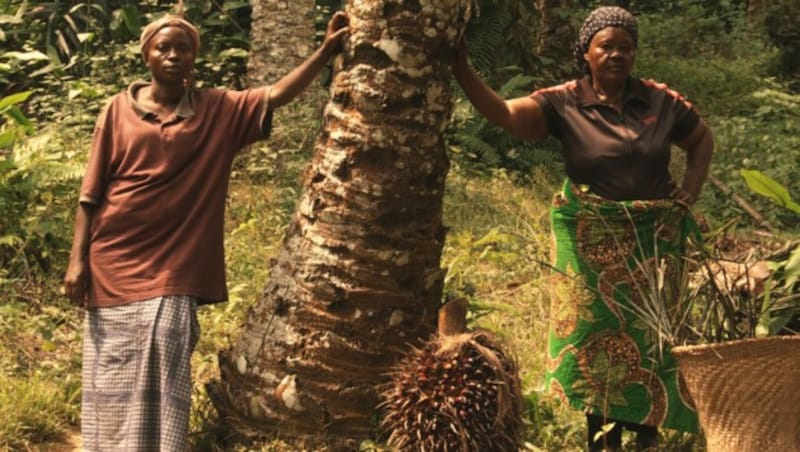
(338, 27)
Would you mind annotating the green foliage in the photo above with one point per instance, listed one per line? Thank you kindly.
(766, 186)
(498, 220)
(19, 124)
(781, 306)
(34, 411)
(223, 58)
(35, 188)
(48, 37)
(719, 25)
(48, 41)
(501, 34)
(784, 33)
(39, 367)
(483, 145)
(782, 302)
(766, 139)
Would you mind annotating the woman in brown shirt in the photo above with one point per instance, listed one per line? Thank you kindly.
(148, 243)
(616, 132)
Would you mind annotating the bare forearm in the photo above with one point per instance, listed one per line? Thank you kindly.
(698, 160)
(76, 280)
(80, 240)
(521, 117)
(293, 83)
(485, 99)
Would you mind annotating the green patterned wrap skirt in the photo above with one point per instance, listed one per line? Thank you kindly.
(603, 357)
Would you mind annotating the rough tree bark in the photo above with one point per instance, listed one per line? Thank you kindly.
(358, 277)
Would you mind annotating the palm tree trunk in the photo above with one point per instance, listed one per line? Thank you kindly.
(358, 277)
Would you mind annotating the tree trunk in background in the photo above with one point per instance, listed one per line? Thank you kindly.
(282, 37)
(358, 277)
(755, 12)
(556, 33)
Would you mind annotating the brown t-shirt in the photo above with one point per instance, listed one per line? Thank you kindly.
(619, 156)
(158, 188)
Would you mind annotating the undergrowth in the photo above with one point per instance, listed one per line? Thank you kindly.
(497, 241)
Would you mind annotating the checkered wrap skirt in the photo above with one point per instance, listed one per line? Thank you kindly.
(137, 375)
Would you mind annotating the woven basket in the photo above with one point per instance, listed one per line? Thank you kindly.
(747, 392)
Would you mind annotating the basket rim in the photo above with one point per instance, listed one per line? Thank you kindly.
(728, 344)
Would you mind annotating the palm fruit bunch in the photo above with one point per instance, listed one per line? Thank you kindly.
(458, 392)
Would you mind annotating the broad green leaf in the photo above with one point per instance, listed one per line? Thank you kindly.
(17, 115)
(130, 15)
(33, 55)
(6, 139)
(14, 99)
(792, 269)
(86, 37)
(766, 186)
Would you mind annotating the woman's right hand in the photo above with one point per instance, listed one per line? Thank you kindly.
(76, 281)
(682, 197)
(336, 32)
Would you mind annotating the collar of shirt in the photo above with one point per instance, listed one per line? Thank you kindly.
(635, 91)
(184, 109)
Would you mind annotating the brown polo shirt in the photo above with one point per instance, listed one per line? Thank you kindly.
(159, 187)
(619, 156)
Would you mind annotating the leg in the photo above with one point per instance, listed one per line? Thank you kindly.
(611, 440)
(136, 375)
(110, 360)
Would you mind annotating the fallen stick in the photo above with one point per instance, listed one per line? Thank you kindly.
(742, 203)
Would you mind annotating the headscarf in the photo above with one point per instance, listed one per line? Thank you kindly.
(168, 21)
(600, 18)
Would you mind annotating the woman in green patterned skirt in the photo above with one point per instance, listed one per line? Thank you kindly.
(619, 226)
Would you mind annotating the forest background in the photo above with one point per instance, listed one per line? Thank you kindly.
(737, 61)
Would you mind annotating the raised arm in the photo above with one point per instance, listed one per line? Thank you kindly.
(293, 83)
(521, 117)
(699, 146)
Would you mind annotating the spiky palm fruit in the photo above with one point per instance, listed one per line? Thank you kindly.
(456, 393)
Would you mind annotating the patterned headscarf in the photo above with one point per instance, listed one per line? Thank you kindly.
(600, 18)
(168, 21)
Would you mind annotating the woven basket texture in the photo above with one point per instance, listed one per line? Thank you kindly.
(747, 392)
